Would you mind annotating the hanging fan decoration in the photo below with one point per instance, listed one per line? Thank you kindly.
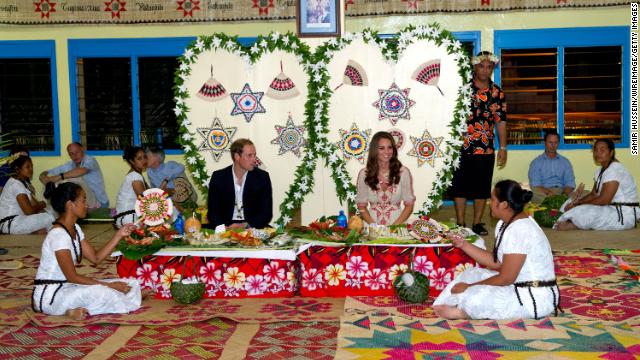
(354, 75)
(428, 74)
(282, 87)
(154, 207)
(212, 90)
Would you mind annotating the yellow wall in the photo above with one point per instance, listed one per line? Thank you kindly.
(114, 167)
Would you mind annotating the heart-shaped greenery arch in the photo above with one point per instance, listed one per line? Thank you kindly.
(317, 104)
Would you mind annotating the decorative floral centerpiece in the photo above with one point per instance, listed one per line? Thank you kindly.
(153, 208)
(325, 229)
(549, 210)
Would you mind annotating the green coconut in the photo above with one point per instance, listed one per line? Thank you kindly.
(412, 287)
(551, 213)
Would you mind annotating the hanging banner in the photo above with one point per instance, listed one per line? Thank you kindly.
(29, 12)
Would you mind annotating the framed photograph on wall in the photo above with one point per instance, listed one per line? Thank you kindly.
(316, 18)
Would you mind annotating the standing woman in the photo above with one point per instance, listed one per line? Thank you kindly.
(384, 186)
(58, 288)
(20, 211)
(612, 204)
(133, 185)
(519, 281)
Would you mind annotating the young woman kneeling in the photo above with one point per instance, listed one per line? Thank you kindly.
(519, 280)
(58, 288)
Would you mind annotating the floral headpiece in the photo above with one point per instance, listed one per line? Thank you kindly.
(14, 157)
(485, 55)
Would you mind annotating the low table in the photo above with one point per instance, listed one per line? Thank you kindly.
(362, 269)
(227, 273)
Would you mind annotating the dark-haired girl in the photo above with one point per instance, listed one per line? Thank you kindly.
(612, 204)
(58, 288)
(133, 185)
(519, 280)
(20, 211)
(385, 187)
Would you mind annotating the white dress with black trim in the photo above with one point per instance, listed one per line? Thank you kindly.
(523, 236)
(53, 295)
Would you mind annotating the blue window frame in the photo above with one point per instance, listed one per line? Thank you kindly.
(466, 37)
(561, 40)
(38, 49)
(130, 50)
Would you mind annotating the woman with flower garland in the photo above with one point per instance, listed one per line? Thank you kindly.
(384, 185)
(612, 204)
(20, 211)
(58, 288)
(133, 186)
(519, 280)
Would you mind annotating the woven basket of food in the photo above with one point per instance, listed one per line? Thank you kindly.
(186, 292)
(412, 286)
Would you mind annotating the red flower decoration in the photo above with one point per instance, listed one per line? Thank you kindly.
(45, 7)
(115, 6)
(188, 7)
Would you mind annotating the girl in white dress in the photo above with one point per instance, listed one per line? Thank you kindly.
(133, 185)
(385, 187)
(612, 204)
(519, 279)
(58, 288)
(20, 211)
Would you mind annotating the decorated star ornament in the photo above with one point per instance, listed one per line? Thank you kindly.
(247, 103)
(290, 137)
(394, 104)
(354, 143)
(217, 138)
(398, 137)
(426, 148)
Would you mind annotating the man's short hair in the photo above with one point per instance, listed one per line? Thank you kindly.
(238, 145)
(157, 152)
(549, 133)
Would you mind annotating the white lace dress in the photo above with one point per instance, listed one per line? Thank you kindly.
(56, 299)
(523, 236)
(607, 217)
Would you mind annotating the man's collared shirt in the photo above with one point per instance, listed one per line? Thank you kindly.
(238, 208)
(93, 178)
(549, 172)
(488, 108)
(168, 170)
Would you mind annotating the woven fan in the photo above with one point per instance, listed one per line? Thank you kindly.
(212, 90)
(428, 74)
(282, 87)
(354, 75)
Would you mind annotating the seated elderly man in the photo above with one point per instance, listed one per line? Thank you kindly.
(550, 173)
(83, 170)
(170, 177)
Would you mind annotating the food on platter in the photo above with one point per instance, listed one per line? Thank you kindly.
(205, 238)
(426, 230)
(399, 232)
(192, 225)
(325, 229)
(154, 207)
(355, 223)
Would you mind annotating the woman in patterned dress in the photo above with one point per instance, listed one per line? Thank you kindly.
(385, 187)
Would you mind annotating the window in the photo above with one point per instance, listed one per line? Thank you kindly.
(571, 80)
(123, 92)
(28, 96)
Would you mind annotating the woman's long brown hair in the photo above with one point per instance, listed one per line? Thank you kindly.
(371, 173)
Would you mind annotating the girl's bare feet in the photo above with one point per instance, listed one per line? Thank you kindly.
(77, 314)
(564, 226)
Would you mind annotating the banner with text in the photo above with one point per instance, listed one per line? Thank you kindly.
(29, 12)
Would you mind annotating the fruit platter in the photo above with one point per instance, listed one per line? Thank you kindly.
(422, 230)
(232, 238)
(146, 240)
